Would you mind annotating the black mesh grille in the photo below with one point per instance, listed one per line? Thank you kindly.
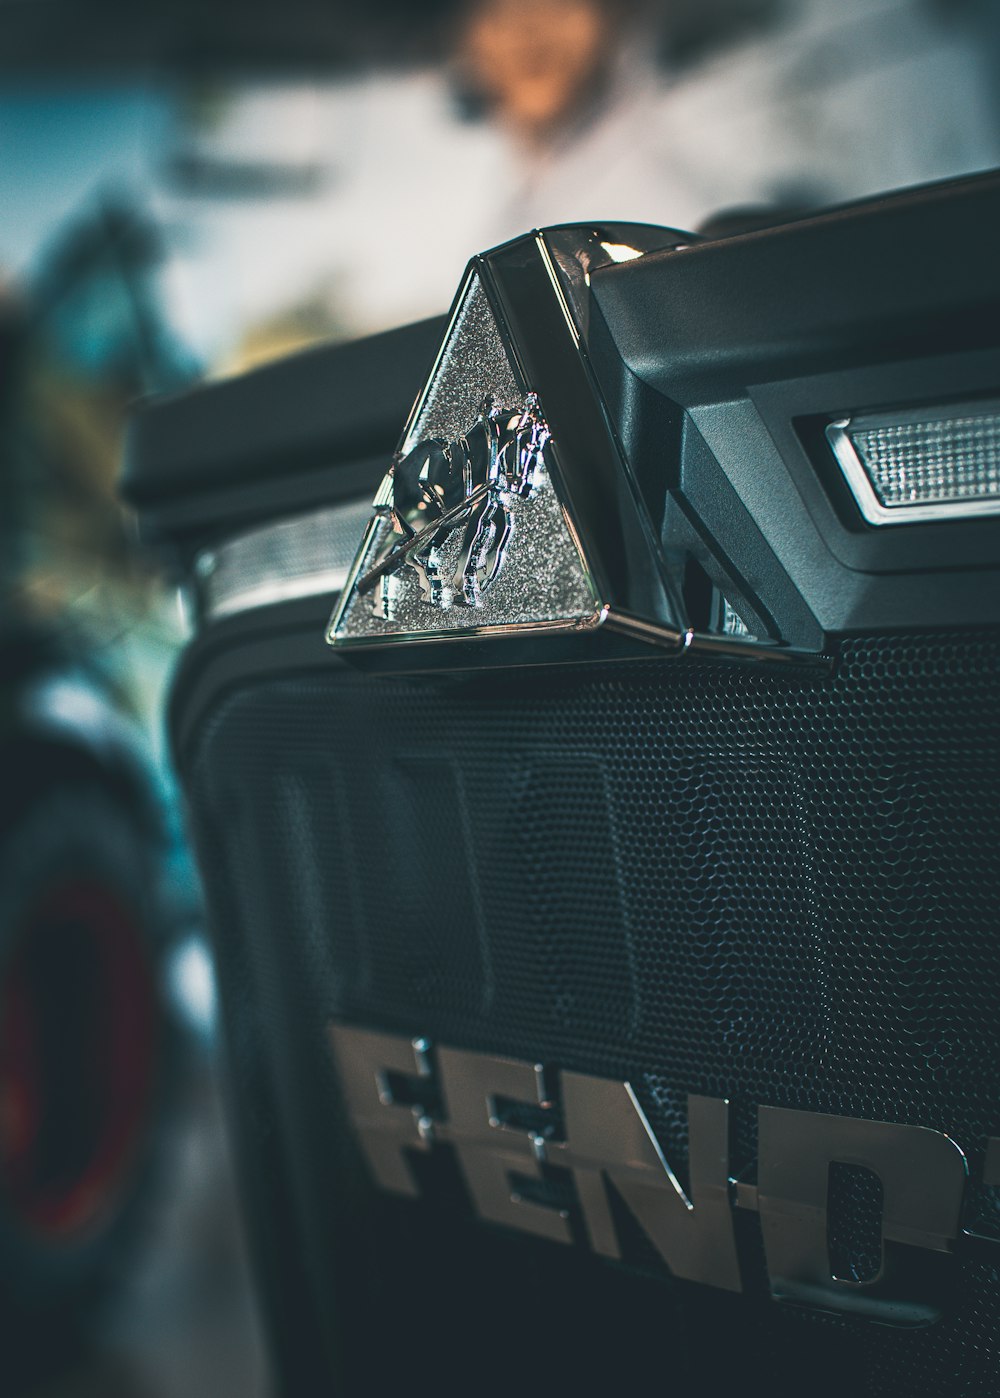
(779, 889)
(854, 1222)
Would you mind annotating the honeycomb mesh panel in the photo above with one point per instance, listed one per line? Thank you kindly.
(778, 889)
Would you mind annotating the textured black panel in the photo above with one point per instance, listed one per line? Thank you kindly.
(854, 1226)
(778, 889)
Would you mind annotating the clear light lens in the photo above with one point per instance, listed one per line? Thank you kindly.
(732, 623)
(933, 463)
(929, 462)
(308, 555)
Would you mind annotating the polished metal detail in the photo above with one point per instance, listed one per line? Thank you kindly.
(463, 492)
(924, 464)
(493, 1152)
(474, 360)
(510, 1122)
(469, 533)
(368, 1064)
(499, 1116)
(305, 556)
(609, 1138)
(923, 1176)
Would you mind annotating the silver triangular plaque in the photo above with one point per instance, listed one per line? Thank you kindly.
(469, 533)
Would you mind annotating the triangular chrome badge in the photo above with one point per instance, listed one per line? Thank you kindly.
(468, 533)
(508, 508)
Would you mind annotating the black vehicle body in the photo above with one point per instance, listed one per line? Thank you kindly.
(731, 850)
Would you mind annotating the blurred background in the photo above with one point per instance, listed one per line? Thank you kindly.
(190, 189)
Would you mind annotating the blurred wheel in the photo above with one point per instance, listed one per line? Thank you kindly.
(84, 1059)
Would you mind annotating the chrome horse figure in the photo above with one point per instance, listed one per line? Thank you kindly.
(442, 489)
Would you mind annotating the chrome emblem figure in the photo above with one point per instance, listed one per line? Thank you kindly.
(450, 514)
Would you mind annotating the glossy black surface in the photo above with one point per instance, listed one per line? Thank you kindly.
(305, 431)
(724, 362)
